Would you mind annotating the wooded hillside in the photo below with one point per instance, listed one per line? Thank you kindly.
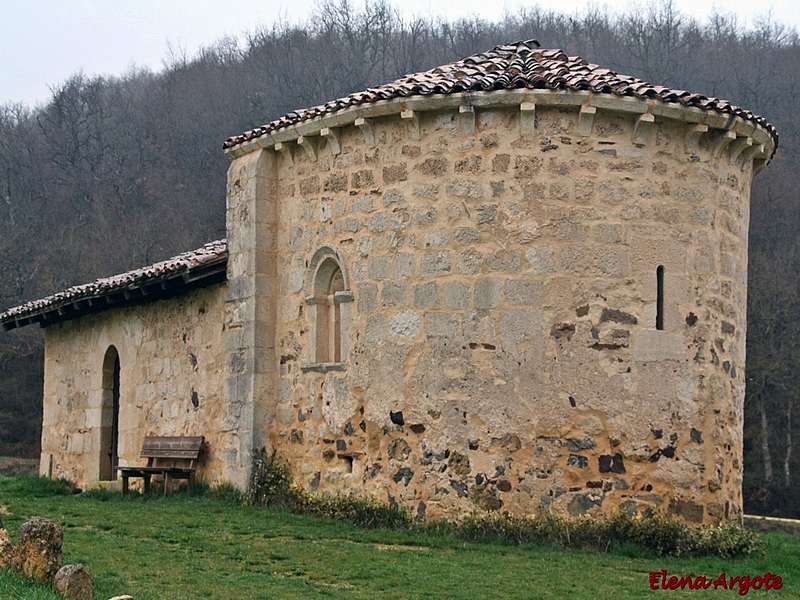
(115, 173)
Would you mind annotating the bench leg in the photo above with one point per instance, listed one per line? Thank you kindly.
(147, 483)
(167, 483)
(124, 485)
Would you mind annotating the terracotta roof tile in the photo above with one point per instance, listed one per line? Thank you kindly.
(510, 66)
(182, 264)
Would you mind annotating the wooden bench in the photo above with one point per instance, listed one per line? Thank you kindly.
(167, 451)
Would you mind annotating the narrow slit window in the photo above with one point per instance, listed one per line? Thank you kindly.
(660, 297)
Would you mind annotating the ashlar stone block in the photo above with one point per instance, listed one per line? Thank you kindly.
(541, 260)
(653, 345)
(456, 294)
(404, 264)
(488, 292)
(405, 324)
(426, 295)
(524, 291)
(380, 267)
(394, 293)
(436, 264)
(367, 297)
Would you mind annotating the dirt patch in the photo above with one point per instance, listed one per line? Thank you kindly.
(11, 467)
(772, 524)
(398, 547)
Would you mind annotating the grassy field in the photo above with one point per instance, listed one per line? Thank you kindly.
(202, 547)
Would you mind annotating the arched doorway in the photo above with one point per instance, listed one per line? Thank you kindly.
(109, 416)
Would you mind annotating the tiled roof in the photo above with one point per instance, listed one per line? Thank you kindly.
(511, 66)
(199, 267)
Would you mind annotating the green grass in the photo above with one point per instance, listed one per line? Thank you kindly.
(15, 587)
(191, 546)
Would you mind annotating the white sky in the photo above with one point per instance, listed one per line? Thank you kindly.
(43, 42)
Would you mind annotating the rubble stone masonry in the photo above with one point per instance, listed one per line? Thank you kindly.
(171, 382)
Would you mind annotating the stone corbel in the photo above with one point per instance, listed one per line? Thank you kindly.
(412, 119)
(332, 138)
(722, 142)
(749, 154)
(758, 165)
(286, 152)
(467, 118)
(586, 119)
(692, 138)
(308, 146)
(527, 117)
(738, 146)
(642, 127)
(365, 125)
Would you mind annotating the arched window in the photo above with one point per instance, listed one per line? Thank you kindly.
(330, 298)
(328, 281)
(109, 416)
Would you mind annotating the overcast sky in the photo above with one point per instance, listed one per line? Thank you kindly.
(43, 42)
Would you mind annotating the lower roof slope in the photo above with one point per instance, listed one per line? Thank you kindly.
(176, 275)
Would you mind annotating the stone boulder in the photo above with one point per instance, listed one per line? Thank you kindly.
(39, 549)
(8, 554)
(74, 583)
(124, 597)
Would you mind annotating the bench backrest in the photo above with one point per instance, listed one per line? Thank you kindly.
(172, 447)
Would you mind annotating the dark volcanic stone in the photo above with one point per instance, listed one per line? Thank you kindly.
(690, 511)
(576, 460)
(405, 474)
(612, 464)
(459, 487)
(582, 444)
(582, 503)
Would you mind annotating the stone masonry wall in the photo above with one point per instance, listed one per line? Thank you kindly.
(171, 383)
(503, 343)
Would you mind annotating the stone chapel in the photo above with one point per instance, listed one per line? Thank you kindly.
(515, 282)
